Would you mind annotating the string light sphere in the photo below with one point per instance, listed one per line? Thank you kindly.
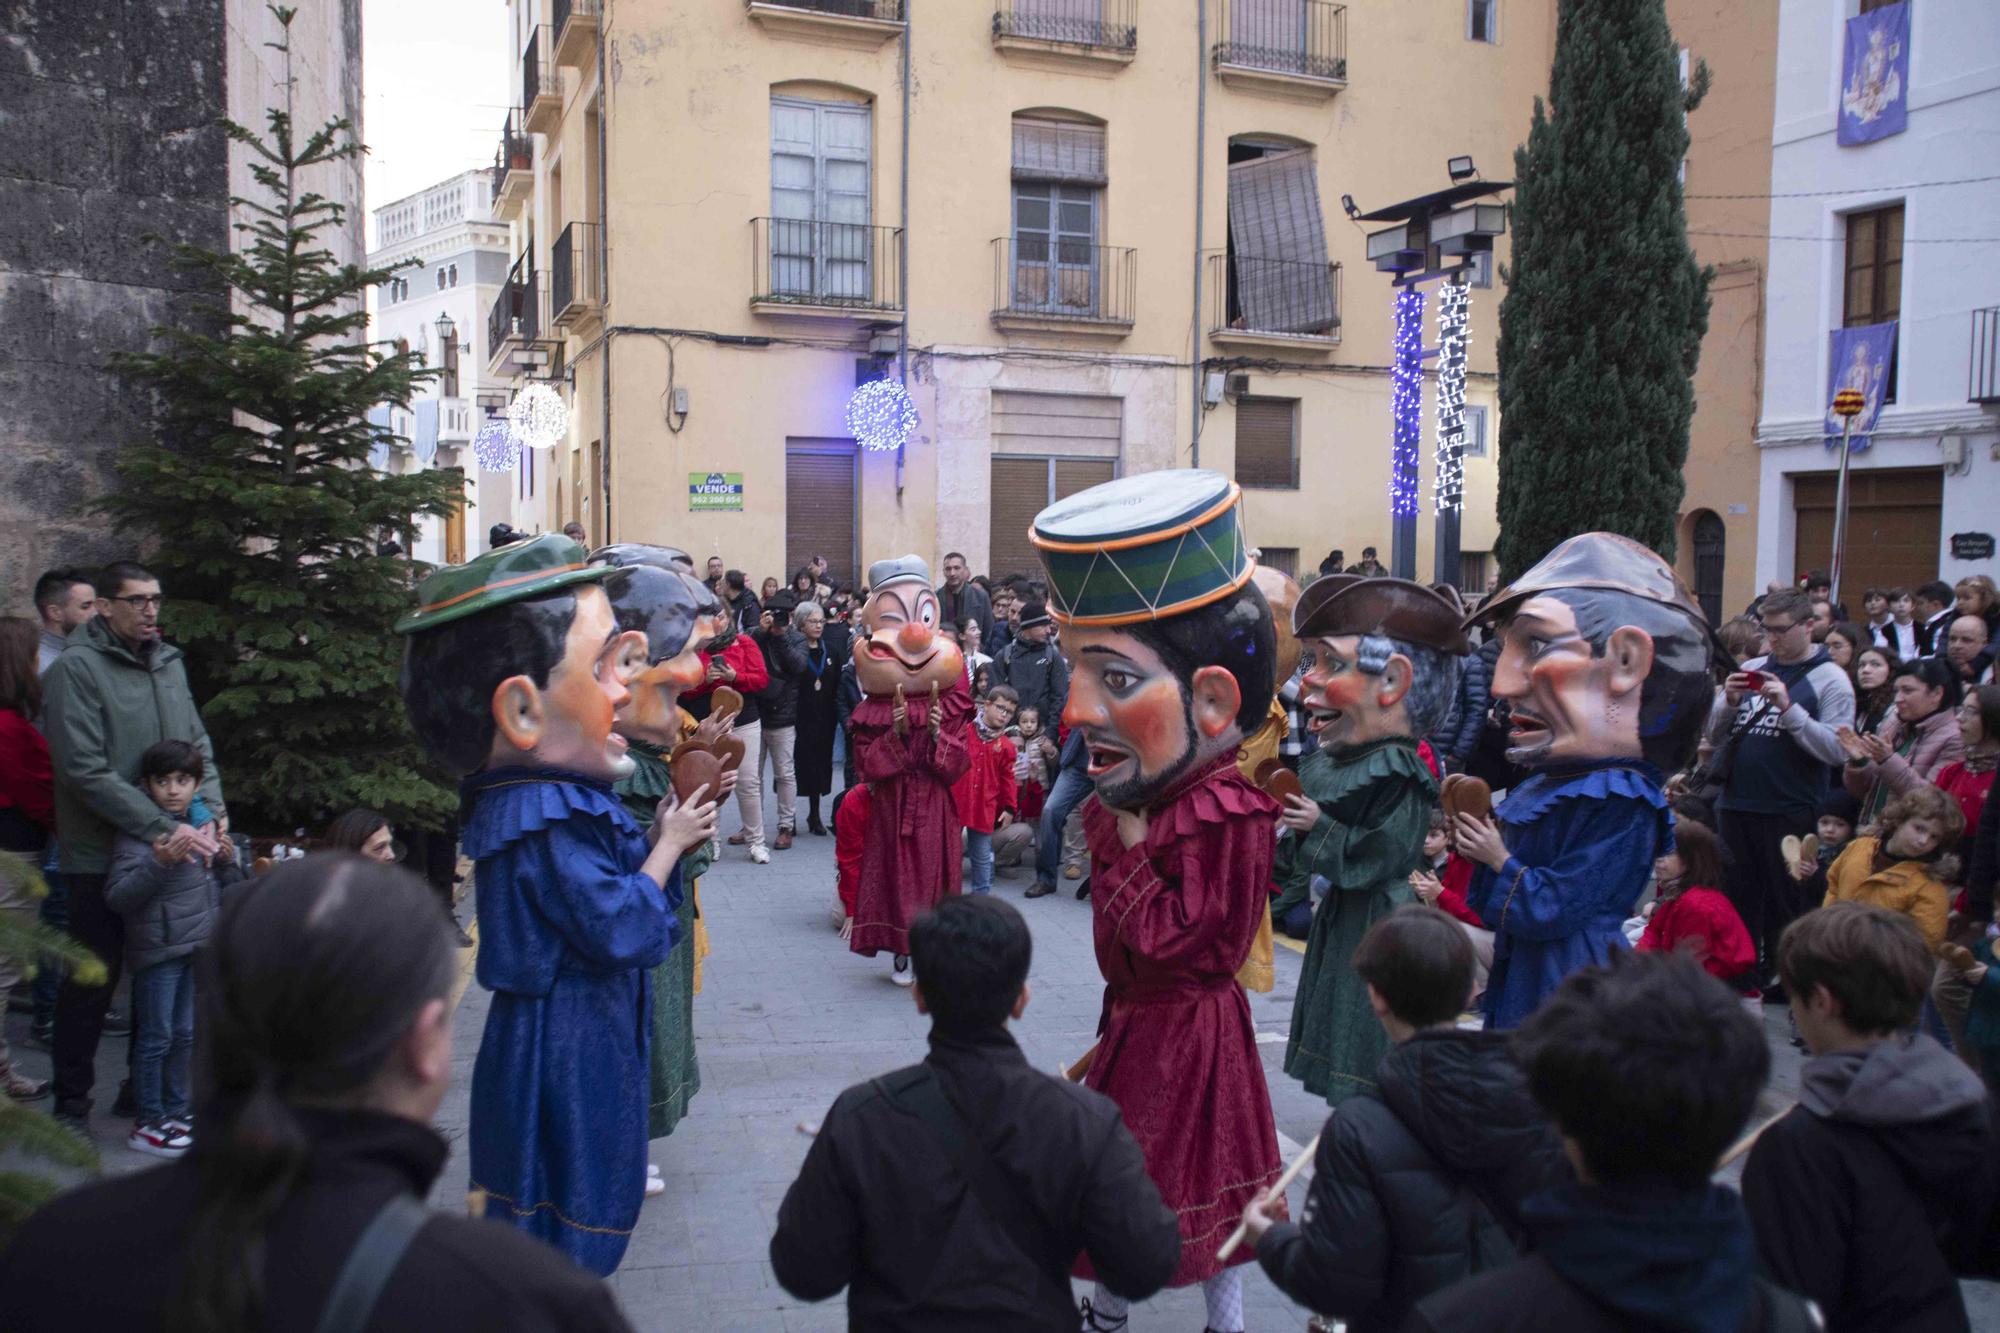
(1448, 489)
(495, 448)
(881, 416)
(1406, 404)
(539, 417)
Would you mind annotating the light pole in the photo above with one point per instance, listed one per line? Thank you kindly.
(1438, 237)
(1847, 405)
(447, 356)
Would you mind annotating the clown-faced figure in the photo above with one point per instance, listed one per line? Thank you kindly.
(909, 737)
(514, 673)
(1163, 690)
(1604, 662)
(1382, 664)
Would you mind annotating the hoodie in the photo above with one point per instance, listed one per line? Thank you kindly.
(1418, 1183)
(1868, 1194)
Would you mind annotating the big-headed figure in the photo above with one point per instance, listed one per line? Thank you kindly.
(1385, 664)
(1171, 649)
(908, 733)
(512, 675)
(1605, 661)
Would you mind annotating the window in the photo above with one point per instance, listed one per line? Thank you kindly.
(453, 270)
(1874, 275)
(820, 243)
(1267, 452)
(1482, 269)
(1280, 279)
(1284, 559)
(1058, 174)
(1023, 486)
(1482, 20)
(1475, 432)
(1868, 6)
(440, 279)
(1475, 572)
(1711, 543)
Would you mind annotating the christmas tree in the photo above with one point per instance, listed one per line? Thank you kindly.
(1605, 309)
(265, 516)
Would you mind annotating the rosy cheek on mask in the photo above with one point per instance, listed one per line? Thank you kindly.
(1153, 721)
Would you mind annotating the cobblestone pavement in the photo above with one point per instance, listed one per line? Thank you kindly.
(786, 1019)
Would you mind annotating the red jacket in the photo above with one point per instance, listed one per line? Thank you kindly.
(988, 786)
(850, 836)
(1702, 922)
(1456, 877)
(752, 676)
(1969, 789)
(27, 781)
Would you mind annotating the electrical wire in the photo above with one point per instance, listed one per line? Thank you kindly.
(1842, 240)
(1859, 189)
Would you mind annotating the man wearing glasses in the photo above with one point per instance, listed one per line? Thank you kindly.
(1774, 732)
(115, 691)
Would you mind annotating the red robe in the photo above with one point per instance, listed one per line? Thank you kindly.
(910, 860)
(850, 836)
(1173, 919)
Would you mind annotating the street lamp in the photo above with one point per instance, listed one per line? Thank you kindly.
(1436, 237)
(448, 355)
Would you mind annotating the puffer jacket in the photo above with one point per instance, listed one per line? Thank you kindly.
(785, 659)
(1909, 887)
(1916, 761)
(169, 911)
(1456, 736)
(1418, 1183)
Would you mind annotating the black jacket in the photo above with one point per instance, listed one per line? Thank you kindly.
(849, 700)
(1641, 1258)
(969, 601)
(1038, 673)
(1983, 863)
(1869, 1194)
(1407, 1178)
(785, 657)
(881, 1208)
(105, 1254)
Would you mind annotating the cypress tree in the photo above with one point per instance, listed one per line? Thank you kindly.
(1601, 327)
(266, 515)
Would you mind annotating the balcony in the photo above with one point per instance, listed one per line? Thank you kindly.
(1091, 32)
(541, 84)
(513, 168)
(800, 266)
(1983, 382)
(1273, 303)
(518, 321)
(576, 275)
(1063, 286)
(862, 24)
(1295, 49)
(575, 28)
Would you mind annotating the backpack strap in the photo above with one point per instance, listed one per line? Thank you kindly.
(370, 1263)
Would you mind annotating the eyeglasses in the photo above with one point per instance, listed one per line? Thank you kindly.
(139, 601)
(1769, 628)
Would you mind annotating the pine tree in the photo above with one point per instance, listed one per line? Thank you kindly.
(265, 515)
(1605, 309)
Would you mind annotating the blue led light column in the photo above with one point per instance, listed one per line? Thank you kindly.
(1406, 405)
(1448, 488)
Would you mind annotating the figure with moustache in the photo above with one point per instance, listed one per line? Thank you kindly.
(513, 671)
(909, 737)
(1172, 648)
(1384, 662)
(1605, 664)
(655, 593)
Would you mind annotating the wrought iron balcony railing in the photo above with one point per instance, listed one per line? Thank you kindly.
(576, 270)
(1036, 278)
(1111, 24)
(1303, 38)
(1272, 296)
(1983, 382)
(887, 11)
(806, 262)
(538, 68)
(516, 152)
(517, 310)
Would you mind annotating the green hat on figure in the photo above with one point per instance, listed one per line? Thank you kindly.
(1143, 547)
(509, 574)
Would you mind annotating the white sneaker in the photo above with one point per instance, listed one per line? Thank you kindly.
(158, 1140)
(903, 976)
(652, 1169)
(759, 856)
(655, 1187)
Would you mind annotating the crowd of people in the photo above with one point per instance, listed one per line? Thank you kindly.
(1532, 1086)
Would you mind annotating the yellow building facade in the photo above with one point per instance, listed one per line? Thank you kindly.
(1092, 237)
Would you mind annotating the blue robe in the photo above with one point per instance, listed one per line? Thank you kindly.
(1583, 841)
(568, 928)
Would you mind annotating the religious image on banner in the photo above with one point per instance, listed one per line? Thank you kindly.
(1875, 75)
(1859, 361)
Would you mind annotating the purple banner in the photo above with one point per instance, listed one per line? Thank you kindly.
(1875, 75)
(1859, 360)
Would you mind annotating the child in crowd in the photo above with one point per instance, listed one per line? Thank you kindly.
(1034, 770)
(850, 831)
(985, 795)
(1443, 887)
(1838, 814)
(169, 894)
(1691, 915)
(1899, 867)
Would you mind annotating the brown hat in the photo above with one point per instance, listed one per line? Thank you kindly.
(1594, 560)
(1342, 604)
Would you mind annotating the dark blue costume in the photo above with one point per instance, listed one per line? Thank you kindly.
(568, 928)
(1583, 839)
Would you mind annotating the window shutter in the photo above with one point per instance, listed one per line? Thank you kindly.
(1020, 491)
(1080, 474)
(1283, 282)
(1284, 559)
(819, 508)
(1058, 150)
(1265, 431)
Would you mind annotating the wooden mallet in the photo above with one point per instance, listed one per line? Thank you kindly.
(1276, 1191)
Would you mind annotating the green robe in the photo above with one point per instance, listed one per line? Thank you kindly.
(1375, 806)
(676, 1078)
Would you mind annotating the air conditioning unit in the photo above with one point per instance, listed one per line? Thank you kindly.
(1239, 384)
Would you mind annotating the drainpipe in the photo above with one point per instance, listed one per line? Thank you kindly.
(1200, 138)
(903, 250)
(604, 256)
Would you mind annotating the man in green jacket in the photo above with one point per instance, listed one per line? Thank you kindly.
(115, 691)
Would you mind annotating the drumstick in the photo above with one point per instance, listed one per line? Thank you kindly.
(1076, 1071)
(1276, 1191)
(1749, 1141)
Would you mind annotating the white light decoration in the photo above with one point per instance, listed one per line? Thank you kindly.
(539, 417)
(1406, 404)
(495, 447)
(1448, 489)
(881, 416)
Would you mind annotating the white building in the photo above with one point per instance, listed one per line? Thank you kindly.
(462, 251)
(1864, 234)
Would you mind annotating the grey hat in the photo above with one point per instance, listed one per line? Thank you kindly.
(903, 569)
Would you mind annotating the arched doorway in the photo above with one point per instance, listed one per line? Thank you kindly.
(1710, 540)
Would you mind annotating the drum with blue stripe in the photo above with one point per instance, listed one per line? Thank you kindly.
(1142, 547)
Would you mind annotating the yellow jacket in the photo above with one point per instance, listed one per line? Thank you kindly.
(1906, 887)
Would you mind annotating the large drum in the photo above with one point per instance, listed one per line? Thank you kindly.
(1142, 547)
